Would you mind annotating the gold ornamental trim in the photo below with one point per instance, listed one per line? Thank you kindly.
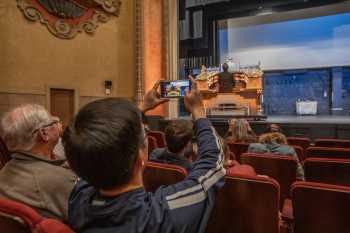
(66, 18)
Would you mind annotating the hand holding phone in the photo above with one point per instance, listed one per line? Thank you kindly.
(152, 99)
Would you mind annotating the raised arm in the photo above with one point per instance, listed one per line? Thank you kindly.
(190, 201)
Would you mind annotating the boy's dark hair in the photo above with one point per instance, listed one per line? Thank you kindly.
(178, 134)
(103, 141)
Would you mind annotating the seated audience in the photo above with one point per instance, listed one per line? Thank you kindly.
(31, 177)
(178, 136)
(107, 149)
(240, 131)
(276, 143)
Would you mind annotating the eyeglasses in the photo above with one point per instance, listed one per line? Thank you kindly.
(55, 120)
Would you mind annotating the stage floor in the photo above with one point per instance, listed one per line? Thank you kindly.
(309, 119)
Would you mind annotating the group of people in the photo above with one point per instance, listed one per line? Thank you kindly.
(178, 136)
(98, 186)
(273, 141)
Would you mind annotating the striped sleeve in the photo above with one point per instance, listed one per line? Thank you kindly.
(191, 200)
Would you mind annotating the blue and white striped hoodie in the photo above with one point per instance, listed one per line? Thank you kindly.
(180, 208)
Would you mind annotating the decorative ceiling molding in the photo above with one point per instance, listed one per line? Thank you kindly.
(66, 18)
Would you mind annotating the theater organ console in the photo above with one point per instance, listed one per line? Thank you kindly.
(245, 98)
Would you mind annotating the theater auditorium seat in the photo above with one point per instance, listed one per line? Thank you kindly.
(152, 144)
(159, 136)
(320, 208)
(332, 143)
(157, 174)
(19, 218)
(297, 141)
(328, 152)
(238, 149)
(279, 167)
(326, 170)
(300, 152)
(246, 204)
(4, 154)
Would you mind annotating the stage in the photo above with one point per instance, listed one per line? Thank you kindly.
(342, 120)
(312, 127)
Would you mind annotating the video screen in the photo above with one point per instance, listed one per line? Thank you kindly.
(174, 89)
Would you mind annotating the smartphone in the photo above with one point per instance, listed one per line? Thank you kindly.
(174, 89)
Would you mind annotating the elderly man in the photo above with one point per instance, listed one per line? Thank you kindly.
(31, 176)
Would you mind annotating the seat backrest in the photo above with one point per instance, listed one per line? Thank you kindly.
(4, 154)
(332, 143)
(246, 204)
(52, 226)
(157, 174)
(299, 141)
(159, 136)
(152, 144)
(238, 148)
(16, 217)
(20, 211)
(300, 152)
(320, 208)
(279, 167)
(328, 152)
(327, 170)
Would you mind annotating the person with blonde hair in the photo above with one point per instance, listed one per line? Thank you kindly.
(240, 131)
(276, 143)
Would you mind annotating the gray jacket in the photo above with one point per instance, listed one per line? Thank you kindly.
(38, 182)
(278, 149)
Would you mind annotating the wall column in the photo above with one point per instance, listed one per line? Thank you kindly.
(153, 49)
(171, 10)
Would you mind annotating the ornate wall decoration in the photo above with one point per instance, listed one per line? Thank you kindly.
(66, 18)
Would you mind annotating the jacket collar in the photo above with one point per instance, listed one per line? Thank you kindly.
(27, 156)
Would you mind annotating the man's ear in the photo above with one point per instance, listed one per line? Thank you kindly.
(43, 135)
(143, 154)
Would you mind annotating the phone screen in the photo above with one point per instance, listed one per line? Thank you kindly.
(174, 89)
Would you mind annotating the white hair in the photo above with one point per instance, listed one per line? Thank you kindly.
(19, 124)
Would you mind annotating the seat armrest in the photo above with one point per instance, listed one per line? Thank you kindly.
(287, 211)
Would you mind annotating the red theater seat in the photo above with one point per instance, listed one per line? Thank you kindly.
(320, 208)
(157, 174)
(159, 136)
(300, 152)
(241, 169)
(296, 141)
(246, 204)
(19, 218)
(238, 149)
(332, 143)
(152, 144)
(326, 170)
(327, 152)
(279, 167)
